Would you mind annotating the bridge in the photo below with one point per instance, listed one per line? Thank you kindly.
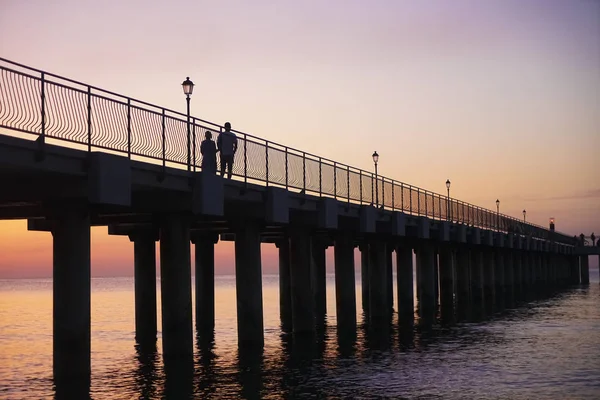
(74, 156)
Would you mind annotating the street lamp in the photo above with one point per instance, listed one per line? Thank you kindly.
(498, 214)
(375, 160)
(524, 216)
(448, 206)
(188, 88)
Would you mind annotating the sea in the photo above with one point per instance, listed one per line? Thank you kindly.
(539, 348)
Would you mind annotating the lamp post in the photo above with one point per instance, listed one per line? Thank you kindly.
(188, 88)
(498, 215)
(524, 216)
(375, 160)
(449, 217)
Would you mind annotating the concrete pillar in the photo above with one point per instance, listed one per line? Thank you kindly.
(378, 300)
(446, 275)
(389, 277)
(285, 284)
(205, 284)
(71, 294)
(345, 293)
(303, 317)
(526, 271)
(405, 283)
(488, 275)
(436, 276)
(509, 277)
(319, 275)
(576, 274)
(463, 277)
(585, 270)
(425, 265)
(176, 286)
(144, 271)
(477, 279)
(499, 273)
(519, 273)
(364, 275)
(248, 284)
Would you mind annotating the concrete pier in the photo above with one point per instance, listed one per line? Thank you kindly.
(378, 300)
(144, 250)
(345, 291)
(176, 290)
(436, 276)
(285, 284)
(463, 277)
(585, 270)
(389, 277)
(364, 276)
(205, 284)
(499, 274)
(425, 264)
(303, 317)
(510, 279)
(519, 273)
(405, 283)
(477, 278)
(446, 282)
(71, 294)
(248, 288)
(319, 272)
(489, 280)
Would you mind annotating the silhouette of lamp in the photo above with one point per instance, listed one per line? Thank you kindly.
(188, 88)
(448, 206)
(375, 161)
(524, 216)
(498, 214)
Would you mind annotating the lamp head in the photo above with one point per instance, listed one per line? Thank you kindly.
(375, 157)
(188, 87)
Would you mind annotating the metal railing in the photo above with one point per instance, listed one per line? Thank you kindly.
(54, 107)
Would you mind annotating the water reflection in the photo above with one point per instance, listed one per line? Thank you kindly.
(72, 389)
(250, 371)
(179, 376)
(146, 372)
(206, 382)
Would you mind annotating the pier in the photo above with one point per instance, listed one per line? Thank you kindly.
(73, 156)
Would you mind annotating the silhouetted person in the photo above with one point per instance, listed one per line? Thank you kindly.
(593, 237)
(208, 148)
(227, 144)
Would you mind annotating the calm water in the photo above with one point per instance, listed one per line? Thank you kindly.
(547, 349)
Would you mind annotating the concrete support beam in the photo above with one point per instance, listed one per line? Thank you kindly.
(364, 276)
(71, 294)
(405, 283)
(345, 292)
(519, 272)
(510, 279)
(319, 272)
(477, 279)
(446, 281)
(176, 290)
(489, 275)
(436, 276)
(285, 284)
(378, 300)
(205, 284)
(389, 277)
(575, 272)
(585, 269)
(303, 317)
(248, 284)
(499, 273)
(144, 250)
(425, 264)
(463, 277)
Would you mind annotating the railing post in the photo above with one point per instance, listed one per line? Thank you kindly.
(286, 169)
(320, 176)
(410, 190)
(89, 118)
(267, 162)
(372, 190)
(348, 181)
(194, 142)
(418, 202)
(164, 140)
(402, 196)
(43, 106)
(128, 128)
(304, 172)
(360, 185)
(334, 180)
(245, 159)
(382, 192)
(393, 190)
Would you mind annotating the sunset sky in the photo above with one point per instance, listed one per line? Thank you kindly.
(502, 97)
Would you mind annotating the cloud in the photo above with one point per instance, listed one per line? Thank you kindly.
(589, 194)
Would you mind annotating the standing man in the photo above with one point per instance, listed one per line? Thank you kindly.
(227, 144)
